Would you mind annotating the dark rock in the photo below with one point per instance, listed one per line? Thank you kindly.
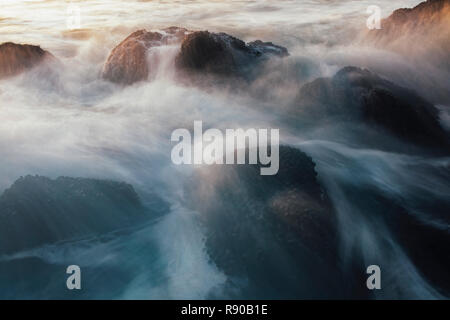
(37, 210)
(16, 58)
(262, 48)
(358, 94)
(278, 232)
(222, 54)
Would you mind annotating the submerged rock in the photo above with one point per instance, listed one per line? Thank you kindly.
(278, 232)
(418, 227)
(358, 94)
(37, 210)
(425, 244)
(222, 54)
(17, 58)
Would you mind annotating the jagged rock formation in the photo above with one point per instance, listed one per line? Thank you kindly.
(37, 210)
(127, 63)
(423, 18)
(222, 54)
(16, 58)
(358, 94)
(422, 31)
(201, 52)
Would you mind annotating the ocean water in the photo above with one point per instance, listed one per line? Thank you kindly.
(70, 122)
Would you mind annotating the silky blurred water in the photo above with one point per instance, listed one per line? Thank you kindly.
(71, 122)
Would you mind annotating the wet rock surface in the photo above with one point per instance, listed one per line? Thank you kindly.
(358, 94)
(275, 231)
(17, 58)
(201, 53)
(37, 210)
(127, 62)
(222, 54)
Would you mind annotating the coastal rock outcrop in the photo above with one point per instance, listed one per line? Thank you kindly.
(201, 52)
(422, 31)
(358, 94)
(127, 62)
(17, 58)
(275, 230)
(37, 210)
(222, 54)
